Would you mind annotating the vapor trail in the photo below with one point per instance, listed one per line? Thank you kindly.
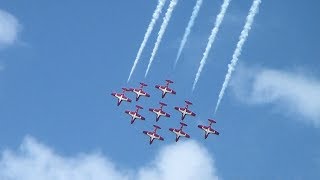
(211, 39)
(242, 39)
(155, 17)
(187, 32)
(163, 27)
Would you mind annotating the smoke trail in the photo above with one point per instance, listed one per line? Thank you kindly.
(243, 37)
(163, 27)
(211, 39)
(155, 17)
(188, 28)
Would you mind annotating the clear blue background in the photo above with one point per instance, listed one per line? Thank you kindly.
(56, 87)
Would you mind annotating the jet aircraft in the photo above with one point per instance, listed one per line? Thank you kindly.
(208, 130)
(185, 110)
(153, 134)
(121, 96)
(165, 89)
(159, 112)
(179, 132)
(139, 91)
(135, 114)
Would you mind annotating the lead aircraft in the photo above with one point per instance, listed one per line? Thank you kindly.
(153, 134)
(121, 96)
(165, 89)
(208, 130)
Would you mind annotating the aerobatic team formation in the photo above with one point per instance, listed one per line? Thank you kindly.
(159, 112)
(165, 88)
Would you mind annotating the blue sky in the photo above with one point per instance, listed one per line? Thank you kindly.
(58, 72)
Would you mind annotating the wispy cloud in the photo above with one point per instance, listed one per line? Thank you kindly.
(154, 19)
(293, 92)
(235, 57)
(9, 28)
(187, 32)
(161, 32)
(35, 161)
(211, 39)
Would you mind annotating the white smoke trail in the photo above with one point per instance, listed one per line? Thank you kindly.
(163, 27)
(211, 39)
(154, 19)
(242, 39)
(187, 32)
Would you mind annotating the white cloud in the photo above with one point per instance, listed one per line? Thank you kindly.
(34, 161)
(294, 92)
(9, 28)
(187, 160)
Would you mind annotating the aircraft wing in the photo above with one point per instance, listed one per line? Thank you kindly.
(141, 117)
(185, 134)
(191, 113)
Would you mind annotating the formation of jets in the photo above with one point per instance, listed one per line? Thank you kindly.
(139, 92)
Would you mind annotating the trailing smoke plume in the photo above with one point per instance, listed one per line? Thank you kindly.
(154, 19)
(162, 30)
(188, 29)
(235, 57)
(211, 39)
